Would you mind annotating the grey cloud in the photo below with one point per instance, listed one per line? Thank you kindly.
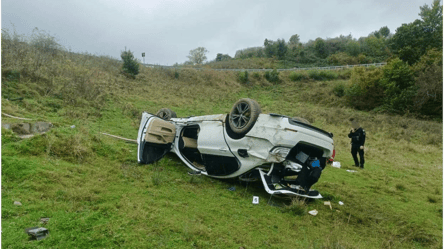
(167, 30)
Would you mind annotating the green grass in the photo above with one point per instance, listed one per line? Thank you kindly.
(97, 196)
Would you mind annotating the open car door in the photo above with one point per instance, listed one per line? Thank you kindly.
(154, 139)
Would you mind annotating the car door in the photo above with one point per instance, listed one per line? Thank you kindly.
(217, 156)
(154, 139)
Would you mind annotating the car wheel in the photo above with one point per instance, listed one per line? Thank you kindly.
(243, 115)
(166, 114)
(302, 120)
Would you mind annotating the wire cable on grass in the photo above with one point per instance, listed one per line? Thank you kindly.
(10, 116)
(133, 141)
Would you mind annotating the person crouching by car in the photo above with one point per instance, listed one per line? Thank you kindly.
(357, 135)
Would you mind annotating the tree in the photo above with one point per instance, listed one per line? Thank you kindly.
(384, 31)
(429, 81)
(281, 49)
(219, 57)
(320, 48)
(365, 91)
(222, 57)
(294, 41)
(197, 56)
(342, 58)
(375, 48)
(353, 48)
(399, 84)
(412, 40)
(432, 23)
(130, 64)
(248, 52)
(270, 50)
(408, 42)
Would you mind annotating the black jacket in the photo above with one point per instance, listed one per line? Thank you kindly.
(357, 137)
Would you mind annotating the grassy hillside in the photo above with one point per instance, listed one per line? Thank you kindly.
(96, 195)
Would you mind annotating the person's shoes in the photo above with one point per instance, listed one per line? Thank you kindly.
(362, 166)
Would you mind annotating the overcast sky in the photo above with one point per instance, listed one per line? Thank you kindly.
(166, 30)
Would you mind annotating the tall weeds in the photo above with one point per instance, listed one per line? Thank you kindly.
(74, 78)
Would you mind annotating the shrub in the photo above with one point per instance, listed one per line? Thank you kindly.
(322, 75)
(399, 85)
(243, 77)
(365, 91)
(342, 58)
(344, 74)
(130, 65)
(429, 81)
(339, 90)
(256, 75)
(44, 42)
(314, 75)
(328, 75)
(298, 76)
(11, 75)
(44, 68)
(272, 76)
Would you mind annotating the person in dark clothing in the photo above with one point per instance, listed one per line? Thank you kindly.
(357, 135)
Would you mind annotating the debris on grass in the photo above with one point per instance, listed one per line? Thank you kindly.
(10, 116)
(327, 203)
(44, 220)
(313, 212)
(352, 171)
(336, 165)
(341, 203)
(17, 203)
(37, 233)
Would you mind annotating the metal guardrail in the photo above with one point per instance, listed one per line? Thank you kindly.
(279, 70)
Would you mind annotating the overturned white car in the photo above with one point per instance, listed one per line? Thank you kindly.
(286, 154)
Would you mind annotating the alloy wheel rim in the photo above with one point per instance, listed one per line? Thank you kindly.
(241, 115)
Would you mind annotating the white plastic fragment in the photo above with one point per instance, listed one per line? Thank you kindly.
(341, 203)
(313, 212)
(17, 203)
(352, 171)
(255, 199)
(327, 203)
(336, 165)
(73, 126)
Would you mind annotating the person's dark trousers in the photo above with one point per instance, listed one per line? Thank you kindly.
(355, 150)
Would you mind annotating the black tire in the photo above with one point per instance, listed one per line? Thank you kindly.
(166, 114)
(243, 115)
(302, 120)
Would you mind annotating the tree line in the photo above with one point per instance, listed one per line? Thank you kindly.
(411, 82)
(409, 43)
